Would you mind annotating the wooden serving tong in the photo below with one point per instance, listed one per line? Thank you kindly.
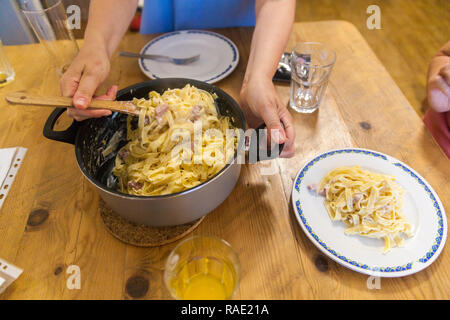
(127, 107)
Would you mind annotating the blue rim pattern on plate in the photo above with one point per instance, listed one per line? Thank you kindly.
(170, 34)
(407, 266)
(440, 231)
(341, 257)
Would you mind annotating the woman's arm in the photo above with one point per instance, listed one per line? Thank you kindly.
(108, 22)
(274, 20)
(438, 84)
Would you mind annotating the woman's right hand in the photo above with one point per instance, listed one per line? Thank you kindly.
(87, 71)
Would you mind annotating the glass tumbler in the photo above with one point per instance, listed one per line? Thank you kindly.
(202, 268)
(48, 19)
(311, 64)
(6, 70)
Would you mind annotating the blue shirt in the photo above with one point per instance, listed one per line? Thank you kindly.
(169, 15)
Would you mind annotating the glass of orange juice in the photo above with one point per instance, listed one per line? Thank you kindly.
(202, 268)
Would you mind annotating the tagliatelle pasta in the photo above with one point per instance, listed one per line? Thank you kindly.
(369, 203)
(179, 142)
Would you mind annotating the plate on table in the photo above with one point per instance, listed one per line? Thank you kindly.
(219, 56)
(422, 209)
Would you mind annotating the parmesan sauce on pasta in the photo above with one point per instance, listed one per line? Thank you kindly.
(369, 203)
(164, 154)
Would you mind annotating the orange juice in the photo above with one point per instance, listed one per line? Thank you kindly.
(204, 279)
(204, 287)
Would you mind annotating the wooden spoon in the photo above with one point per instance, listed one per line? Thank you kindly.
(127, 107)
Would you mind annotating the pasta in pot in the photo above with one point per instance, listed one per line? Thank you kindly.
(179, 142)
(369, 203)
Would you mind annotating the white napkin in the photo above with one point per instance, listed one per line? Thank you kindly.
(10, 161)
(6, 157)
(8, 274)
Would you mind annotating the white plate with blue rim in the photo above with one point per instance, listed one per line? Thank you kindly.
(422, 208)
(219, 56)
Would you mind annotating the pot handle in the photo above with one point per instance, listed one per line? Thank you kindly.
(261, 154)
(67, 135)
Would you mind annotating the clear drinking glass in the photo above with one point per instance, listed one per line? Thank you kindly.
(48, 19)
(311, 65)
(202, 268)
(6, 70)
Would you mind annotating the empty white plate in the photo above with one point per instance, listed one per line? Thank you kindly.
(422, 208)
(219, 56)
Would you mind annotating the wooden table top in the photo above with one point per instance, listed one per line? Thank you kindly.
(363, 108)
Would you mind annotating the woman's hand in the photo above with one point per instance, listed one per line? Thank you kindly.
(107, 23)
(438, 84)
(88, 70)
(260, 102)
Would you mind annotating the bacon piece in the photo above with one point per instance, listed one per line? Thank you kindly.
(315, 189)
(123, 154)
(160, 111)
(135, 185)
(196, 111)
(146, 121)
(357, 197)
(322, 192)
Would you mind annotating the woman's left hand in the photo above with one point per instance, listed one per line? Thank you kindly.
(260, 101)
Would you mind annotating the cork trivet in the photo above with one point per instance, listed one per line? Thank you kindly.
(142, 235)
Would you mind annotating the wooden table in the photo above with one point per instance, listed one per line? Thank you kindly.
(363, 107)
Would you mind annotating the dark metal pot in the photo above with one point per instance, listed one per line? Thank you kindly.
(92, 136)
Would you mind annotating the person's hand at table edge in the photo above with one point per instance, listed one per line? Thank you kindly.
(437, 117)
(438, 84)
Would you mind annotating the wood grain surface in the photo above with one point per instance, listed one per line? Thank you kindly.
(50, 219)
